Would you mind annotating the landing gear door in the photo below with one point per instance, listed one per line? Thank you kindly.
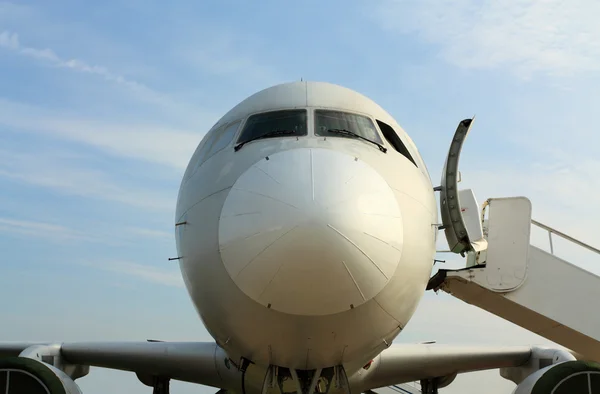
(450, 205)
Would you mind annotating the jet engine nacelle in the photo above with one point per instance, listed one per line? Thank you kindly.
(567, 377)
(26, 375)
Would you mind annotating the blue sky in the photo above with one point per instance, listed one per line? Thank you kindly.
(102, 104)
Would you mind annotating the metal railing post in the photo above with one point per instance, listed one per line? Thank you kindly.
(565, 236)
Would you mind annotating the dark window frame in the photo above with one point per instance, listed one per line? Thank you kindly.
(206, 144)
(219, 134)
(394, 140)
(243, 127)
(379, 139)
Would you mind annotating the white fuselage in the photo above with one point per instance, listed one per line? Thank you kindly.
(305, 252)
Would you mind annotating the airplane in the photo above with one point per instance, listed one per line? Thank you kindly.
(306, 228)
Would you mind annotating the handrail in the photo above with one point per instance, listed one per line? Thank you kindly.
(563, 235)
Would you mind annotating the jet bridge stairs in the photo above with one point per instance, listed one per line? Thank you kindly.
(522, 283)
(508, 276)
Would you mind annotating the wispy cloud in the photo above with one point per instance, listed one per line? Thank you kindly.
(42, 230)
(47, 171)
(10, 41)
(58, 233)
(150, 233)
(147, 142)
(14, 13)
(164, 276)
(233, 55)
(554, 37)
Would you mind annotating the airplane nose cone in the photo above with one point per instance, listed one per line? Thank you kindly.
(310, 232)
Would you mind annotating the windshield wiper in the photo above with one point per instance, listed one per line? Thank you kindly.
(266, 135)
(353, 134)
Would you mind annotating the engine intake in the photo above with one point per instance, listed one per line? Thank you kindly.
(25, 375)
(568, 377)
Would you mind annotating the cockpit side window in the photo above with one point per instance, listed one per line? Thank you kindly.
(222, 139)
(198, 156)
(390, 135)
(328, 120)
(214, 141)
(282, 123)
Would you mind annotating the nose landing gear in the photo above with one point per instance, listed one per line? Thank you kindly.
(161, 385)
(430, 386)
(331, 380)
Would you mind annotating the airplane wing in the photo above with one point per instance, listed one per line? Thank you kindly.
(402, 363)
(12, 349)
(197, 362)
(207, 364)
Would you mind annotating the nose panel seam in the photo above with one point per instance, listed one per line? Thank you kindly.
(359, 249)
(202, 199)
(265, 196)
(381, 240)
(411, 197)
(354, 280)
(262, 251)
(266, 173)
(276, 272)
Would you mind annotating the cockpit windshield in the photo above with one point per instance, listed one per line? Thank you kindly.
(273, 124)
(327, 122)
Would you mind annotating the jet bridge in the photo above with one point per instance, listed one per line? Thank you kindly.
(526, 285)
(508, 276)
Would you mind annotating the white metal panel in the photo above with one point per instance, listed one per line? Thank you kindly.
(508, 243)
(560, 291)
(472, 218)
